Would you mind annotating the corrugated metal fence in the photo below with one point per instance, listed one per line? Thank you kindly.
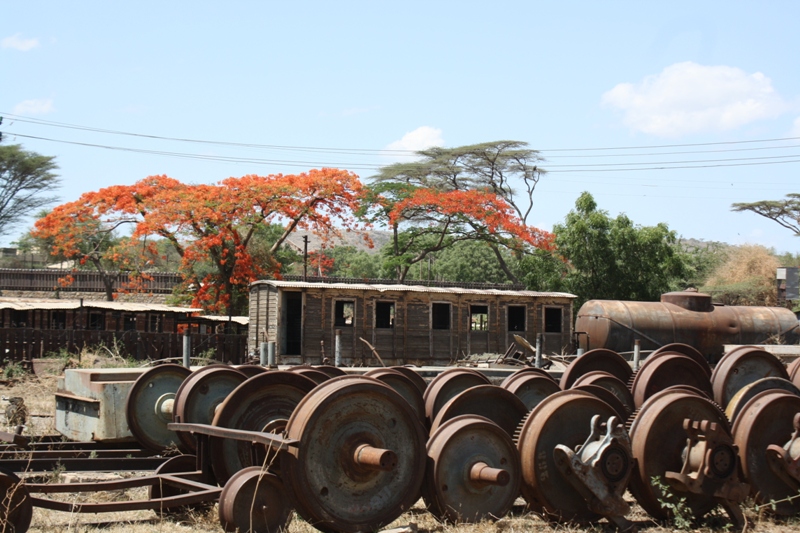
(12, 279)
(24, 344)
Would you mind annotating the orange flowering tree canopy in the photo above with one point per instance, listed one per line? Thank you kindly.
(211, 226)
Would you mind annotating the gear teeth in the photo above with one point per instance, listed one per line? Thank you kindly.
(631, 419)
(632, 379)
(518, 431)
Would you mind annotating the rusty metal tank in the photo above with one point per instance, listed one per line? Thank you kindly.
(686, 317)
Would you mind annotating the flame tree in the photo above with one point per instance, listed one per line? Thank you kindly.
(210, 226)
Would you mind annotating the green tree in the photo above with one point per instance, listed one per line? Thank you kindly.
(608, 258)
(350, 262)
(466, 261)
(784, 212)
(26, 178)
(488, 167)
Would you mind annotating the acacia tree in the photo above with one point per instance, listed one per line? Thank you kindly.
(498, 168)
(25, 180)
(442, 218)
(784, 212)
(211, 226)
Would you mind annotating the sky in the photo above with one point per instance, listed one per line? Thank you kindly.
(666, 112)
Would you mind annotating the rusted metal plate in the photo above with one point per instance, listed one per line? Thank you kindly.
(330, 485)
(473, 473)
(90, 404)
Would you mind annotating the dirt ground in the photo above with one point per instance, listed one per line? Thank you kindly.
(38, 394)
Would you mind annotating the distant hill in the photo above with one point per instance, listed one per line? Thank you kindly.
(349, 238)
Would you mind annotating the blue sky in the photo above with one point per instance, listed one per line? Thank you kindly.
(362, 77)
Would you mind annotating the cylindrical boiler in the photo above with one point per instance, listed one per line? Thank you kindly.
(685, 317)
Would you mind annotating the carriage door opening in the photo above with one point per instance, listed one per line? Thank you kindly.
(293, 322)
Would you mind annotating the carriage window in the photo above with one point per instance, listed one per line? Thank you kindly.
(552, 320)
(154, 323)
(344, 312)
(384, 314)
(97, 321)
(128, 322)
(440, 316)
(516, 318)
(479, 317)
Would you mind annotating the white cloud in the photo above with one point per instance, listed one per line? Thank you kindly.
(690, 98)
(16, 42)
(419, 139)
(34, 107)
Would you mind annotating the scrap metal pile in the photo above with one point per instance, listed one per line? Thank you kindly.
(353, 452)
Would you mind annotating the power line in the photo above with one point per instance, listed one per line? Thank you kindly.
(371, 151)
(664, 165)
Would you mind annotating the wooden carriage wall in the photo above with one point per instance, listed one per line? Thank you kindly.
(407, 324)
(32, 328)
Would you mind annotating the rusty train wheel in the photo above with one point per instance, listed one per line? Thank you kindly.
(767, 419)
(254, 500)
(748, 392)
(414, 376)
(683, 349)
(404, 386)
(525, 371)
(658, 442)
(199, 396)
(16, 507)
(598, 359)
(473, 471)
(253, 405)
(251, 370)
(563, 418)
(607, 396)
(318, 376)
(447, 384)
(149, 406)
(666, 371)
(792, 369)
(610, 383)
(530, 387)
(361, 458)
(742, 367)
(490, 401)
(176, 465)
(330, 370)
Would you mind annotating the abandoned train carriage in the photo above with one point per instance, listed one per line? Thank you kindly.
(405, 323)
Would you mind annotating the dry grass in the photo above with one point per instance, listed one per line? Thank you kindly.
(38, 394)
